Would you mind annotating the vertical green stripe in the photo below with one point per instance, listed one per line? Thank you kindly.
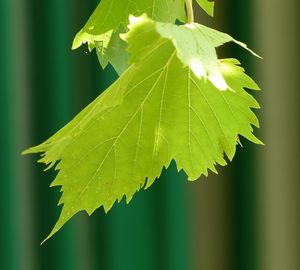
(50, 55)
(61, 100)
(9, 237)
(40, 94)
(173, 217)
(244, 170)
(130, 234)
(60, 54)
(21, 126)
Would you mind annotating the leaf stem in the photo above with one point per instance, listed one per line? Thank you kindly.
(189, 10)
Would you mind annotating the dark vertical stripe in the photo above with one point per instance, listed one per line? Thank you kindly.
(9, 233)
(130, 234)
(244, 165)
(171, 215)
(40, 92)
(50, 43)
(60, 40)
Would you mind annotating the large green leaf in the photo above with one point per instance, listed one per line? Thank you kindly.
(102, 28)
(159, 110)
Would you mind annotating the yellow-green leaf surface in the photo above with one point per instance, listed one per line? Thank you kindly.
(102, 29)
(113, 50)
(195, 45)
(159, 110)
(207, 5)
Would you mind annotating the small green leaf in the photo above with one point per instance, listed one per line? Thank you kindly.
(159, 110)
(208, 6)
(112, 15)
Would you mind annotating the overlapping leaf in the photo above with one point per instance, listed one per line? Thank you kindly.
(111, 16)
(195, 44)
(157, 111)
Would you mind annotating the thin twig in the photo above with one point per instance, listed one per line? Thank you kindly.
(189, 10)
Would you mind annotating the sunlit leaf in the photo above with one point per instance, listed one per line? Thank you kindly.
(159, 110)
(102, 28)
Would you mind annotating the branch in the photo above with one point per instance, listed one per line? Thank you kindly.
(189, 10)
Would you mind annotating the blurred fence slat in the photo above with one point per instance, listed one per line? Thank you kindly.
(278, 37)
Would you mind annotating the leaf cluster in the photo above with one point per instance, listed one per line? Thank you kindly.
(174, 100)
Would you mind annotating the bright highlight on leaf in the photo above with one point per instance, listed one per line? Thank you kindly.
(166, 106)
(195, 45)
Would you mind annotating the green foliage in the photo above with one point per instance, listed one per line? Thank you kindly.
(195, 45)
(162, 108)
(111, 17)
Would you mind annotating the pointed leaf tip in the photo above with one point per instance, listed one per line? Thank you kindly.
(208, 6)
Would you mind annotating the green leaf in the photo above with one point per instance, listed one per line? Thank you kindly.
(112, 50)
(103, 27)
(195, 44)
(159, 110)
(208, 6)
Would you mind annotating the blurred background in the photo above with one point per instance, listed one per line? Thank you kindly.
(247, 217)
